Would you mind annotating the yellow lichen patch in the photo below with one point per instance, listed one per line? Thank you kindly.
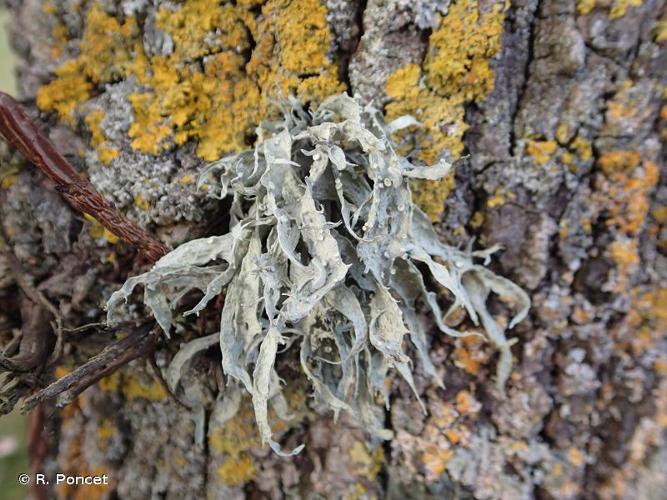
(622, 106)
(619, 161)
(404, 82)
(110, 237)
(107, 46)
(541, 151)
(477, 220)
(431, 195)
(198, 25)
(452, 436)
(456, 71)
(457, 60)
(59, 35)
(232, 441)
(582, 147)
(110, 383)
(237, 471)
(293, 41)
(238, 434)
(434, 113)
(568, 159)
(585, 6)
(579, 148)
(133, 385)
(106, 50)
(149, 130)
(105, 431)
(367, 464)
(7, 181)
(499, 198)
(221, 106)
(518, 446)
(648, 311)
(66, 93)
(661, 31)
(141, 202)
(562, 133)
(660, 215)
(660, 366)
(105, 152)
(8, 175)
(48, 7)
(216, 106)
(208, 89)
(618, 7)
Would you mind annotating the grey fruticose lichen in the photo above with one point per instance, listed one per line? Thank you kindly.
(323, 253)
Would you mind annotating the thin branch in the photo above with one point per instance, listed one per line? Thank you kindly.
(139, 342)
(20, 131)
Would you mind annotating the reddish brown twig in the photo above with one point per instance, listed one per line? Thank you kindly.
(20, 131)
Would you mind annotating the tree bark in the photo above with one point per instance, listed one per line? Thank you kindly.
(559, 110)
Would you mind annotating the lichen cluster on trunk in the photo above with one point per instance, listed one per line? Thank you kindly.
(559, 108)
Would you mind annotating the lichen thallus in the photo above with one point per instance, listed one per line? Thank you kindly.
(327, 246)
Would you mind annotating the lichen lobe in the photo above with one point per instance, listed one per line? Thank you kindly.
(323, 253)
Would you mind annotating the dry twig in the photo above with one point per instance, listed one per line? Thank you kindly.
(20, 131)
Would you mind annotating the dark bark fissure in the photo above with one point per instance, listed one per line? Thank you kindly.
(345, 53)
(533, 15)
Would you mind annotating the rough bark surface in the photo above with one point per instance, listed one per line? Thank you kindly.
(560, 108)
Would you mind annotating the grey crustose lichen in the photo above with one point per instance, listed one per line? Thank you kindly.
(325, 253)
